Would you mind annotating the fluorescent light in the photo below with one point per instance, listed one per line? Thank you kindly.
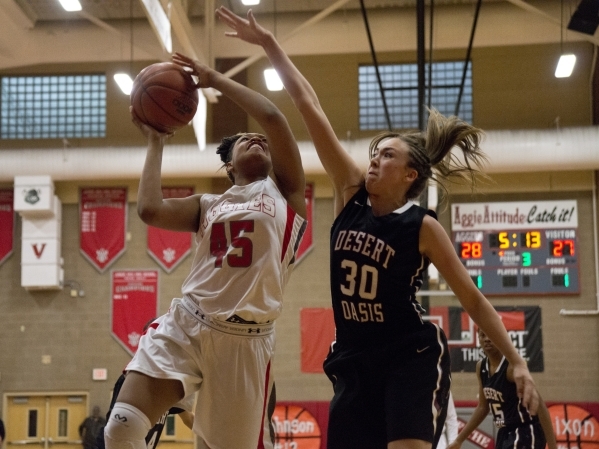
(124, 81)
(250, 2)
(71, 5)
(565, 66)
(273, 82)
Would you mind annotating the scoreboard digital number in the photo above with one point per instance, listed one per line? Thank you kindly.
(520, 261)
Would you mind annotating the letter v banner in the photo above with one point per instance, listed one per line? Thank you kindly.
(170, 248)
(134, 303)
(102, 225)
(7, 223)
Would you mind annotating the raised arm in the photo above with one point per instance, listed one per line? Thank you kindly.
(435, 244)
(286, 160)
(341, 168)
(176, 214)
(478, 416)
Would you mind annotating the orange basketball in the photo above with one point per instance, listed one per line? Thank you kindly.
(295, 427)
(574, 427)
(164, 96)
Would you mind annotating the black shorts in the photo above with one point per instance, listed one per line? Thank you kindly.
(383, 394)
(530, 436)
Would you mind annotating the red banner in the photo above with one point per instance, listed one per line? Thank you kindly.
(317, 326)
(134, 303)
(170, 248)
(102, 225)
(307, 240)
(7, 223)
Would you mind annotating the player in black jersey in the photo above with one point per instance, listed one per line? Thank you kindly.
(389, 367)
(518, 429)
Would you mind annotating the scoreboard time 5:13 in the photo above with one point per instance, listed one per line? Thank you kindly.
(533, 254)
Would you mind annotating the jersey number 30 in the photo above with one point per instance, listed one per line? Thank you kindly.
(368, 280)
(219, 245)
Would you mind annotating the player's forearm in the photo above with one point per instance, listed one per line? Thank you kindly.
(149, 196)
(255, 104)
(545, 421)
(478, 416)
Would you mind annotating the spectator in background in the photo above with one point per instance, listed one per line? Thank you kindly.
(2, 433)
(90, 427)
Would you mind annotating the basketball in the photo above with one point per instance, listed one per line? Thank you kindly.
(164, 96)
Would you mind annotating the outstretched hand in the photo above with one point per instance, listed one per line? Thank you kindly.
(247, 30)
(526, 389)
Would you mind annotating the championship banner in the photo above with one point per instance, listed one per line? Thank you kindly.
(170, 248)
(134, 303)
(523, 325)
(307, 240)
(102, 225)
(7, 223)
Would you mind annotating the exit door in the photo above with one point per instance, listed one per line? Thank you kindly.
(44, 421)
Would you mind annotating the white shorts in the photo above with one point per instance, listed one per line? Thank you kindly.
(230, 368)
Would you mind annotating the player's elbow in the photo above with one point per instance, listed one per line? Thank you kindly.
(147, 212)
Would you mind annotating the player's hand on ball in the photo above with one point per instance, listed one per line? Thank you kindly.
(147, 130)
(198, 69)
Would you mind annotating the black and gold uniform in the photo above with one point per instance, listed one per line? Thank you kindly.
(518, 429)
(386, 361)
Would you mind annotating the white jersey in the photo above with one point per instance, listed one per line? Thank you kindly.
(246, 246)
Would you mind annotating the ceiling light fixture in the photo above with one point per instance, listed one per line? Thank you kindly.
(71, 5)
(250, 2)
(124, 80)
(273, 82)
(271, 77)
(565, 65)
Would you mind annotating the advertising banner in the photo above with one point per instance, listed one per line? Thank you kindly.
(523, 325)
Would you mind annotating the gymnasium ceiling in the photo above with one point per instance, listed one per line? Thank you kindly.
(40, 32)
(50, 10)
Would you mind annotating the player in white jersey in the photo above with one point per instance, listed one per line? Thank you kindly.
(218, 339)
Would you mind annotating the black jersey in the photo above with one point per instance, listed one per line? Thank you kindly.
(502, 397)
(376, 270)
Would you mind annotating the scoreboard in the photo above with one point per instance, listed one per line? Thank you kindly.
(519, 248)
